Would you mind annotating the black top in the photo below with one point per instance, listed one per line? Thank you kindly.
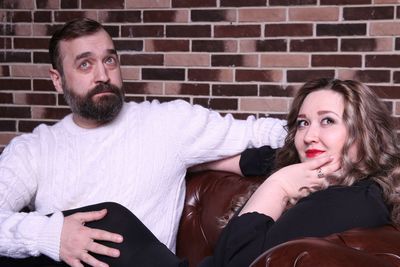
(333, 210)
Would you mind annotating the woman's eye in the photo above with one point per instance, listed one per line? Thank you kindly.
(302, 123)
(327, 121)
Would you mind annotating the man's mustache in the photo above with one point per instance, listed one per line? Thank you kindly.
(104, 88)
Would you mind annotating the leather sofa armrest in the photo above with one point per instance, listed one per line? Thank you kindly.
(208, 197)
(378, 247)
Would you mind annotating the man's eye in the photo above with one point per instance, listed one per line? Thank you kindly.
(84, 65)
(111, 60)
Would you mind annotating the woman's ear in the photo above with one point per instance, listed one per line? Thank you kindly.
(57, 80)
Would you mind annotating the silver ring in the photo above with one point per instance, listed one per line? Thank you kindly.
(320, 174)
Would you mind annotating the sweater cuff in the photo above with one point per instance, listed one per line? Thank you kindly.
(278, 133)
(50, 235)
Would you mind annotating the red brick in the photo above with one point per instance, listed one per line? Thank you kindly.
(15, 57)
(142, 59)
(193, 3)
(188, 31)
(114, 4)
(148, 88)
(365, 44)
(42, 16)
(217, 103)
(41, 57)
(396, 76)
(345, 2)
(4, 71)
(349, 61)
(187, 59)
(275, 90)
(166, 45)
(237, 31)
(142, 31)
(64, 16)
(258, 75)
(262, 14)
(35, 99)
(306, 75)
(234, 60)
(15, 84)
(18, 16)
(6, 98)
(120, 16)
(43, 85)
(15, 112)
(163, 74)
(47, 4)
(289, 29)
(292, 2)
(276, 45)
(69, 4)
(373, 76)
(26, 126)
(8, 126)
(52, 113)
(128, 45)
(234, 90)
(341, 29)
(7, 29)
(187, 89)
(368, 13)
(31, 43)
(242, 3)
(385, 61)
(314, 45)
(214, 46)
(223, 75)
(386, 28)
(5, 42)
(213, 15)
(314, 14)
(384, 91)
(165, 16)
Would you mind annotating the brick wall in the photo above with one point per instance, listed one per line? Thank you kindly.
(238, 56)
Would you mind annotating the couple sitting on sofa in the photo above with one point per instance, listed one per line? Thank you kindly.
(338, 170)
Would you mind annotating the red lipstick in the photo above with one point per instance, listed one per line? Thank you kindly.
(312, 153)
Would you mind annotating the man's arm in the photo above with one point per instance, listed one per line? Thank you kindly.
(251, 162)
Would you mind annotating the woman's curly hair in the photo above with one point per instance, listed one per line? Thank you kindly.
(370, 129)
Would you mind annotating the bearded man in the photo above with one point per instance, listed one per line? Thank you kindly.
(107, 150)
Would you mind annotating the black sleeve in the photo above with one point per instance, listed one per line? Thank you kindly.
(257, 161)
(325, 212)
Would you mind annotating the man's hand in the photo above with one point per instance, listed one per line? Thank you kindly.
(77, 240)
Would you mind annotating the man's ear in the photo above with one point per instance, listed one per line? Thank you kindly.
(57, 80)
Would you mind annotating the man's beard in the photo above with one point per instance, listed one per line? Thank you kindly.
(105, 109)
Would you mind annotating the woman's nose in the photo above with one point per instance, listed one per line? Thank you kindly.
(312, 134)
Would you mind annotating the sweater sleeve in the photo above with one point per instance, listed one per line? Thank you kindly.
(24, 234)
(205, 135)
(257, 161)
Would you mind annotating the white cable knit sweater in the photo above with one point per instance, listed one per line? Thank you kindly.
(138, 160)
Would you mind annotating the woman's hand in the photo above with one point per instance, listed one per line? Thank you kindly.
(77, 240)
(299, 180)
(290, 184)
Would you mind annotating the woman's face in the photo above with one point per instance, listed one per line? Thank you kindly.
(320, 127)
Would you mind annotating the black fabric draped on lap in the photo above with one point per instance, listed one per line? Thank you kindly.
(139, 248)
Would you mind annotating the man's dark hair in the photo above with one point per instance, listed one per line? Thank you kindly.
(71, 30)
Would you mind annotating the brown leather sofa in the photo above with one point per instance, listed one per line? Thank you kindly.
(208, 197)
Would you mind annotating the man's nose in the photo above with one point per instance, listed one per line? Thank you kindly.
(101, 74)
